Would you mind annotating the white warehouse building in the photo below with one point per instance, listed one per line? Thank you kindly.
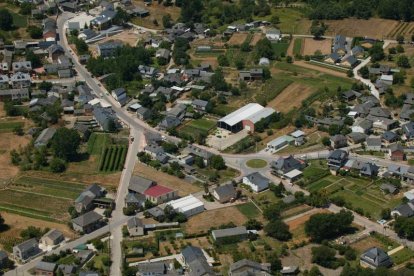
(189, 205)
(245, 117)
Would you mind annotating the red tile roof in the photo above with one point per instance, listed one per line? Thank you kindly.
(157, 190)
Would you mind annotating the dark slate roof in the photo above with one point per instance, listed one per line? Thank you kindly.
(406, 209)
(352, 60)
(156, 268)
(286, 164)
(27, 245)
(370, 169)
(380, 112)
(389, 136)
(337, 154)
(196, 261)
(246, 264)
(357, 137)
(408, 129)
(229, 232)
(376, 257)
(388, 187)
(45, 266)
(226, 190)
(199, 152)
(135, 222)
(396, 147)
(258, 179)
(169, 122)
(140, 184)
(87, 219)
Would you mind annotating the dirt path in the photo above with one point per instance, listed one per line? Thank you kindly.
(290, 49)
(320, 69)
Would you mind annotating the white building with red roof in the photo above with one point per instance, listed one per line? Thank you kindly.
(158, 194)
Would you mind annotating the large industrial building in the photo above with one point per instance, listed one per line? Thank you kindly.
(245, 117)
(189, 205)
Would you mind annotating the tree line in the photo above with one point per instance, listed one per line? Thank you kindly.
(388, 9)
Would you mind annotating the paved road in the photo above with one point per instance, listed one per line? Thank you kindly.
(138, 128)
(117, 214)
(373, 89)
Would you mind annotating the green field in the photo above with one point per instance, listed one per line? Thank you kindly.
(113, 158)
(402, 256)
(360, 193)
(9, 126)
(48, 187)
(198, 127)
(249, 210)
(272, 89)
(34, 205)
(297, 46)
(40, 198)
(280, 48)
(20, 21)
(97, 141)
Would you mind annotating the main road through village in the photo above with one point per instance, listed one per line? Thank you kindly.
(137, 130)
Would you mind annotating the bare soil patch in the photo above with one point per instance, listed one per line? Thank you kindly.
(8, 142)
(321, 69)
(127, 37)
(184, 188)
(256, 38)
(367, 242)
(373, 27)
(291, 97)
(214, 218)
(310, 46)
(18, 223)
(237, 38)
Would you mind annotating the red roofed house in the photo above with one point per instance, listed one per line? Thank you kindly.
(158, 194)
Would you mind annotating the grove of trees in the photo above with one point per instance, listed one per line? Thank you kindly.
(322, 227)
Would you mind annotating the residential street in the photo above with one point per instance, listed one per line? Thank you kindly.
(237, 161)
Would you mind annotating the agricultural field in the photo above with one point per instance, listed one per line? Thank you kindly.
(360, 27)
(291, 97)
(113, 158)
(280, 48)
(310, 46)
(405, 29)
(201, 223)
(198, 127)
(238, 38)
(361, 193)
(297, 46)
(26, 196)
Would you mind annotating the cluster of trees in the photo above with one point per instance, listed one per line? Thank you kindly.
(124, 65)
(322, 227)
(276, 227)
(6, 20)
(63, 148)
(218, 13)
(404, 227)
(390, 9)
(392, 101)
(34, 31)
(179, 54)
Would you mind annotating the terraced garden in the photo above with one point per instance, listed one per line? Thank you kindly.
(40, 198)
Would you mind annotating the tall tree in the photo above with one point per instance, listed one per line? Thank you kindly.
(6, 20)
(65, 143)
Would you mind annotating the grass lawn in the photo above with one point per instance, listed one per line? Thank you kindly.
(291, 20)
(297, 46)
(198, 127)
(264, 198)
(280, 48)
(256, 163)
(10, 126)
(402, 256)
(98, 141)
(249, 210)
(20, 21)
